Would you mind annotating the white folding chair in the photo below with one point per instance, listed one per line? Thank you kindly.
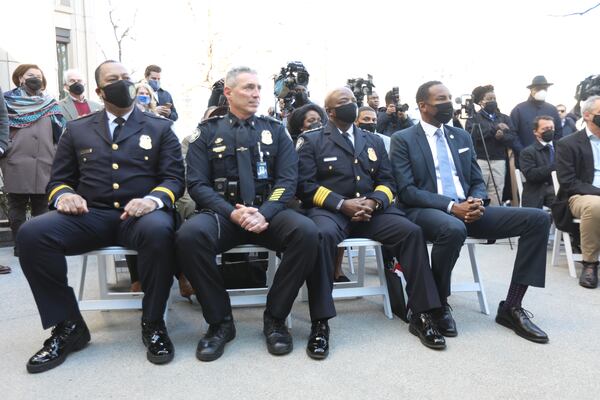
(519, 178)
(477, 284)
(109, 300)
(566, 239)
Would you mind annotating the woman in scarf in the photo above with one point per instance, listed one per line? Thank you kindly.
(36, 124)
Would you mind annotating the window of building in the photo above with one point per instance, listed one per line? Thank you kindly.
(63, 39)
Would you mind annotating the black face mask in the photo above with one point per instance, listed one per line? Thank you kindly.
(491, 107)
(367, 127)
(548, 136)
(120, 93)
(314, 125)
(77, 88)
(444, 113)
(596, 120)
(346, 113)
(33, 84)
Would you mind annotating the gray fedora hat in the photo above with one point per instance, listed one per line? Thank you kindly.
(539, 80)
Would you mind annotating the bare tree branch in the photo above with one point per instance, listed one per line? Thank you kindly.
(578, 13)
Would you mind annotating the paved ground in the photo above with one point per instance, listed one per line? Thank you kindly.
(371, 356)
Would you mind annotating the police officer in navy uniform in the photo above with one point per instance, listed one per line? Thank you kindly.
(115, 178)
(241, 172)
(345, 181)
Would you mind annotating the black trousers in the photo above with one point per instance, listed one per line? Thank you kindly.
(207, 234)
(45, 240)
(17, 208)
(448, 233)
(403, 239)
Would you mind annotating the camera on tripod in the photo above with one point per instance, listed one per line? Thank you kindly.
(467, 107)
(360, 88)
(287, 82)
(396, 100)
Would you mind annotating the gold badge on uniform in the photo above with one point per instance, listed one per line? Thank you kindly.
(145, 142)
(266, 137)
(372, 154)
(219, 149)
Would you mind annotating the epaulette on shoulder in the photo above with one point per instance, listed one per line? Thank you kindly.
(158, 117)
(268, 118)
(211, 119)
(85, 117)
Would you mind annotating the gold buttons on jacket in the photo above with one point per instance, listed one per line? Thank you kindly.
(115, 146)
(115, 166)
(115, 186)
(357, 177)
(117, 204)
(357, 194)
(356, 161)
(146, 158)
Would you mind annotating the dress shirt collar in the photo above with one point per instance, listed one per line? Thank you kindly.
(112, 117)
(429, 129)
(591, 134)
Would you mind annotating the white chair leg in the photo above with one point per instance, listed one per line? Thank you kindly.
(387, 307)
(350, 259)
(82, 278)
(569, 252)
(483, 304)
(361, 266)
(288, 321)
(556, 246)
(102, 281)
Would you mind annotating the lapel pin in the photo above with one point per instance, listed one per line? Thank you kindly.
(451, 136)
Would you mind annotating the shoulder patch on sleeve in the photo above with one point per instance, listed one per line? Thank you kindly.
(195, 135)
(299, 143)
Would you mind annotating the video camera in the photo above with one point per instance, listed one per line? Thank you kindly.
(588, 87)
(361, 87)
(285, 84)
(396, 100)
(217, 96)
(467, 107)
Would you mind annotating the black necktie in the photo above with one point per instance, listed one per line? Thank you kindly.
(346, 136)
(551, 153)
(244, 164)
(120, 121)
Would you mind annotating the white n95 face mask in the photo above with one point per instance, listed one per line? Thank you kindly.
(541, 95)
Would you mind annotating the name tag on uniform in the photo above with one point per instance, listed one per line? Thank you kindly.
(330, 159)
(463, 150)
(85, 151)
(261, 170)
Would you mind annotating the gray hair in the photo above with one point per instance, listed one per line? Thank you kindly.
(69, 72)
(589, 104)
(232, 74)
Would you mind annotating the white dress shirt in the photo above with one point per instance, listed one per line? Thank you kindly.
(431, 140)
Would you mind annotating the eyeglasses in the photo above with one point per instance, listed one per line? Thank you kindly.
(561, 111)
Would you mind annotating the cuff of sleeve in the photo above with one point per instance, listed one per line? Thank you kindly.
(59, 191)
(449, 208)
(270, 208)
(159, 202)
(166, 191)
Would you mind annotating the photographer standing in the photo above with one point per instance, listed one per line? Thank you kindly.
(394, 118)
(497, 130)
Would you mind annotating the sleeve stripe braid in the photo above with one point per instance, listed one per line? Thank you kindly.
(386, 190)
(277, 193)
(165, 190)
(56, 189)
(320, 196)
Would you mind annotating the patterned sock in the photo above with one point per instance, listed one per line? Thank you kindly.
(516, 292)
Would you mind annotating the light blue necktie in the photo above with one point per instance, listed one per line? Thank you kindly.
(445, 166)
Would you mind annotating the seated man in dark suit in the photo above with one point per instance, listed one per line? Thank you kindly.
(441, 188)
(537, 164)
(578, 170)
(115, 179)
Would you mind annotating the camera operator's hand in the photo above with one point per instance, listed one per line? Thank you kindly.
(390, 109)
(163, 111)
(72, 203)
(468, 211)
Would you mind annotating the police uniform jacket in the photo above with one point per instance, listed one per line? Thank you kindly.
(144, 160)
(212, 155)
(330, 170)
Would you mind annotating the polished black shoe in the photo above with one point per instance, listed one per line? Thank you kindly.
(442, 317)
(212, 344)
(68, 336)
(589, 275)
(422, 325)
(519, 320)
(160, 350)
(318, 341)
(279, 339)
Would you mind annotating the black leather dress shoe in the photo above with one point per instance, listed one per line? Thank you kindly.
(589, 275)
(279, 339)
(442, 318)
(68, 336)
(212, 344)
(421, 325)
(519, 320)
(318, 341)
(160, 350)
